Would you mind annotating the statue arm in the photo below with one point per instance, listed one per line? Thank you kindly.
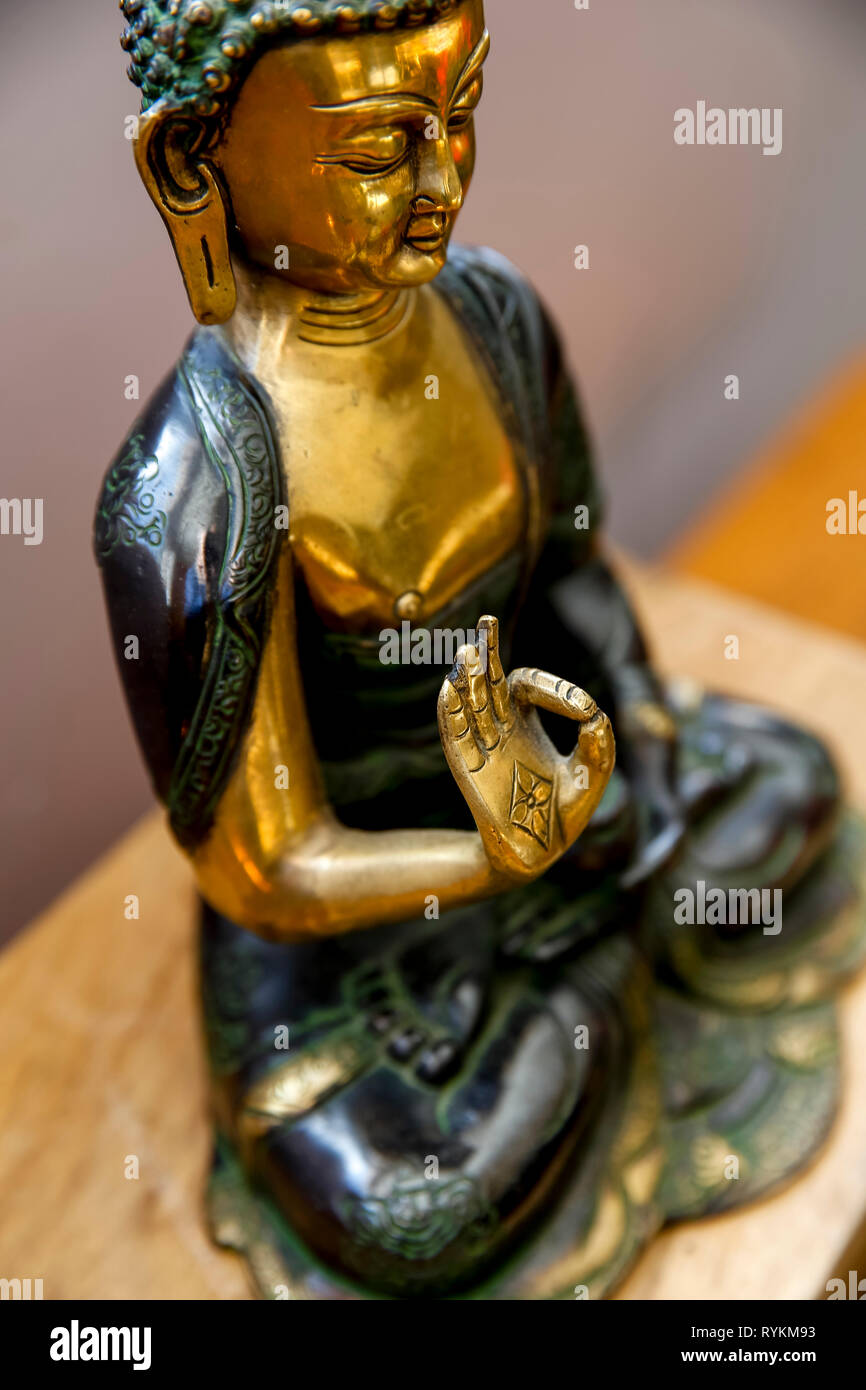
(242, 781)
(274, 857)
(278, 860)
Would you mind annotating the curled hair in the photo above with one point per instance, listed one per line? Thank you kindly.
(195, 52)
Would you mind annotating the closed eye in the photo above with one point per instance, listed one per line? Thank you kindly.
(365, 164)
(465, 104)
(459, 119)
(371, 156)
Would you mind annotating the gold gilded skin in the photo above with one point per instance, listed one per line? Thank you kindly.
(300, 1084)
(372, 522)
(316, 259)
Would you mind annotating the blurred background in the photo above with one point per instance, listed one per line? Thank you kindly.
(704, 262)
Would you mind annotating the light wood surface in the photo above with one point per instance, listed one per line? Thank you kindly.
(100, 1056)
(767, 537)
(788, 1246)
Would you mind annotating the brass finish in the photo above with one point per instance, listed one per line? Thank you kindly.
(298, 1085)
(279, 860)
(184, 188)
(529, 803)
(370, 520)
(384, 214)
(346, 449)
(365, 207)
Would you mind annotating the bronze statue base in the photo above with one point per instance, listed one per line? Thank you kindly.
(719, 1105)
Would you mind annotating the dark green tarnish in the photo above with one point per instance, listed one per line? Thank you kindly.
(237, 437)
(194, 52)
(127, 512)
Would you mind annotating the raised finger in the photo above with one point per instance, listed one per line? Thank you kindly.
(455, 726)
(532, 687)
(596, 746)
(479, 700)
(488, 638)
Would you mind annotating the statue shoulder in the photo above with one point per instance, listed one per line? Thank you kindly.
(186, 539)
(159, 473)
(156, 538)
(490, 265)
(499, 291)
(502, 306)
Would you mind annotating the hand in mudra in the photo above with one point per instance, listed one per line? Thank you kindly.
(529, 802)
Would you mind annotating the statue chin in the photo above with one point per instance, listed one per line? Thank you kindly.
(408, 267)
(411, 266)
(417, 266)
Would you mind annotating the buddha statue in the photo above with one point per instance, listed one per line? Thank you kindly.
(462, 1042)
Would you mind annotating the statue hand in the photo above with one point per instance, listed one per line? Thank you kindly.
(529, 802)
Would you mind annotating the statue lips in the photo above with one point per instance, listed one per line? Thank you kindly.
(427, 233)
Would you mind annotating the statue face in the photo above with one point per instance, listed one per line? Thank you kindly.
(356, 154)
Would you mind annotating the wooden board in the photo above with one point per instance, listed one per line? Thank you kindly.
(767, 537)
(788, 1246)
(100, 1056)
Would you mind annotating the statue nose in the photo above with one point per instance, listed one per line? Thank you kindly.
(439, 183)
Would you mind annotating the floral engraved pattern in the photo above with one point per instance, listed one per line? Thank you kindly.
(127, 513)
(418, 1218)
(235, 430)
(530, 803)
(238, 421)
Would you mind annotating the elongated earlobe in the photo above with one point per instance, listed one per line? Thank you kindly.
(185, 190)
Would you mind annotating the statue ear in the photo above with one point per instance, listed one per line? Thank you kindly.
(185, 190)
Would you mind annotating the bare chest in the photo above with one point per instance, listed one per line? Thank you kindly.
(402, 482)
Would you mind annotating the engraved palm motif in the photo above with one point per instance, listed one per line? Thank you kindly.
(529, 802)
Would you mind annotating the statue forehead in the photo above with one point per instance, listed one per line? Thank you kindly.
(427, 60)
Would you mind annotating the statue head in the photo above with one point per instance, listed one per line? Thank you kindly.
(331, 144)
